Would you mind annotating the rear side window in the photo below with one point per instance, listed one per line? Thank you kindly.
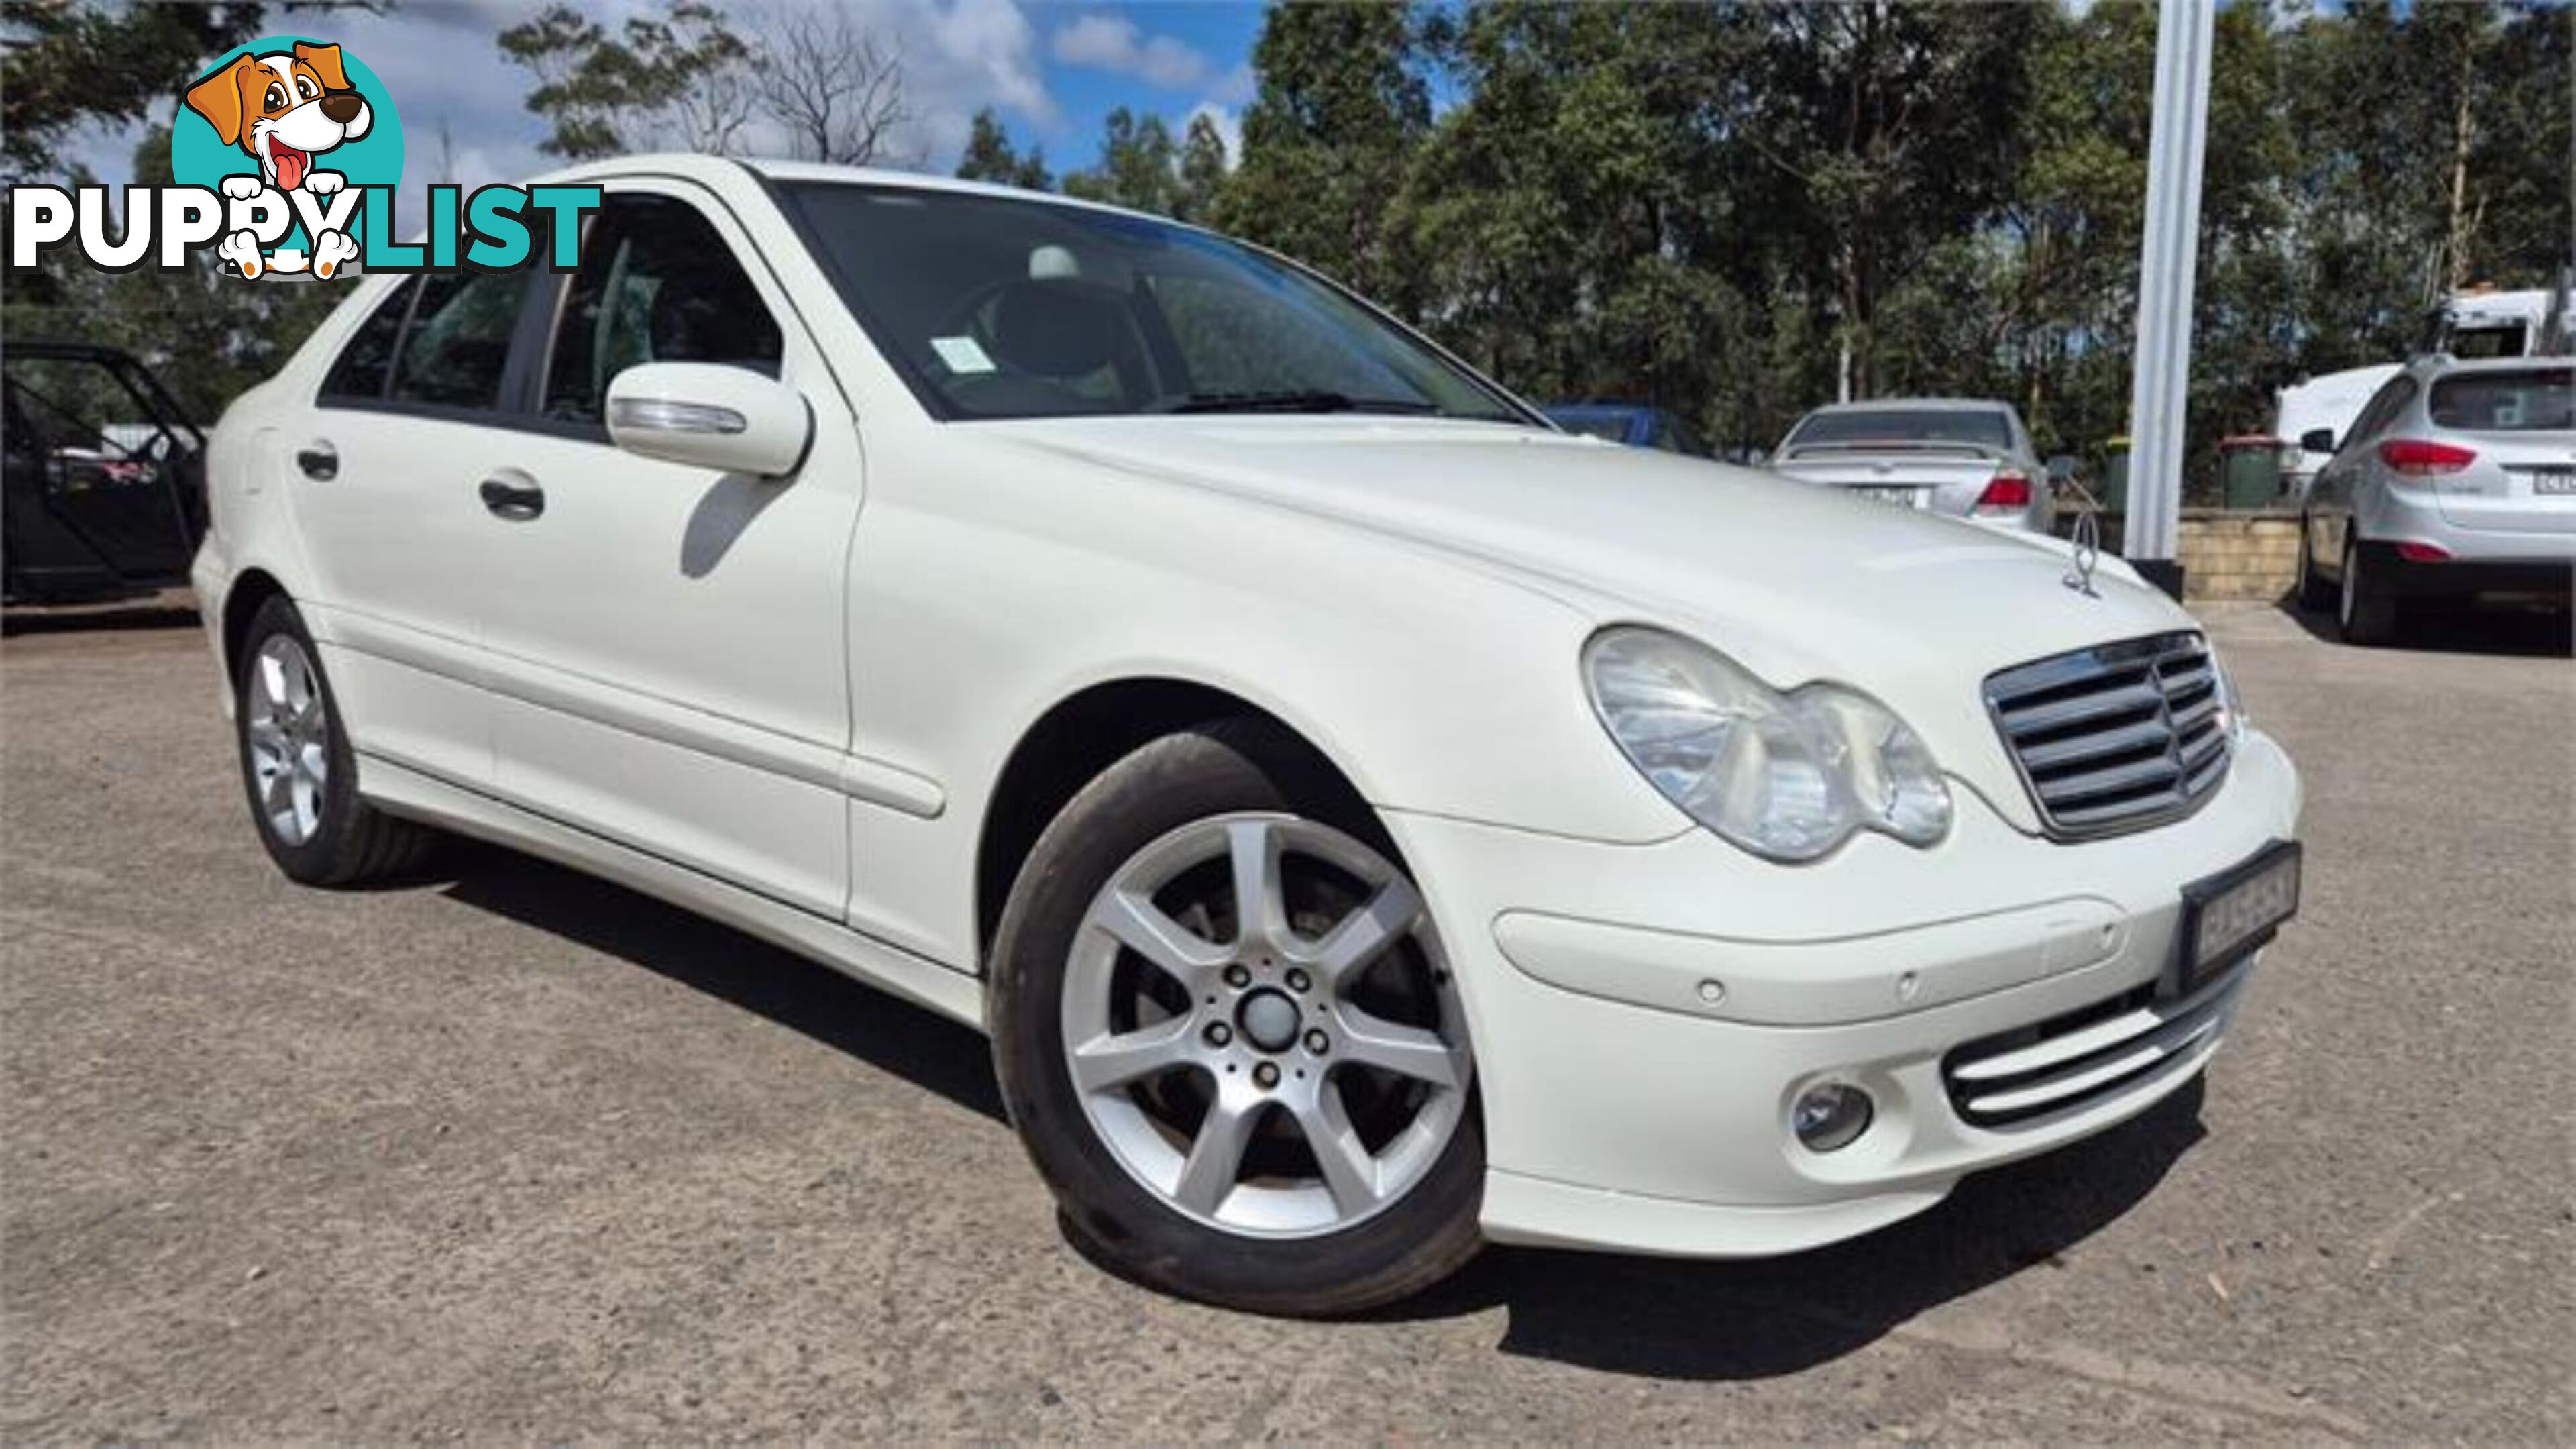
(657, 284)
(2540, 399)
(368, 359)
(2382, 409)
(458, 344)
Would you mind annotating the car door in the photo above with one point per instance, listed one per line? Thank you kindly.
(381, 469)
(2330, 498)
(105, 477)
(665, 641)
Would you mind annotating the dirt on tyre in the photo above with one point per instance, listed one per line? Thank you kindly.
(1229, 1038)
(298, 771)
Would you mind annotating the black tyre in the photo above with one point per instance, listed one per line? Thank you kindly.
(1269, 1108)
(2314, 594)
(2364, 611)
(297, 769)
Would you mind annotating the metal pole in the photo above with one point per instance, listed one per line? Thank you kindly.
(2161, 387)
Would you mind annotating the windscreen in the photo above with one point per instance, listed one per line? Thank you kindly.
(996, 307)
(2539, 399)
(1862, 426)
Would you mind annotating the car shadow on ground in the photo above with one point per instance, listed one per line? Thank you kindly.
(804, 996)
(1757, 1319)
(1652, 1317)
(2533, 630)
(140, 614)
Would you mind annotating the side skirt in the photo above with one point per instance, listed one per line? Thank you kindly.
(410, 793)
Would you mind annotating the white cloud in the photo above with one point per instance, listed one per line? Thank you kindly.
(1114, 44)
(984, 52)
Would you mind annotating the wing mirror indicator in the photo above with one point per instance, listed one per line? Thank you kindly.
(710, 416)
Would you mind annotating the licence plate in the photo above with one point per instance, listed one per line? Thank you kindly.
(2553, 480)
(2228, 916)
(1901, 497)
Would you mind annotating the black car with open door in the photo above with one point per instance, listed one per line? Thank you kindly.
(105, 476)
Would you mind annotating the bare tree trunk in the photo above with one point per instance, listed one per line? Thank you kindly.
(836, 88)
(2463, 221)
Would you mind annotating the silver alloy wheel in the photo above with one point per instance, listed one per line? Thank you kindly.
(2348, 598)
(289, 729)
(1263, 1036)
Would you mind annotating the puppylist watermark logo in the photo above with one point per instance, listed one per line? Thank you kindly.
(286, 155)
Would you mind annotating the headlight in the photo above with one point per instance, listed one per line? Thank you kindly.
(1786, 775)
(2231, 705)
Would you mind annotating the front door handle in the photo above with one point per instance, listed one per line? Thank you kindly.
(319, 460)
(517, 502)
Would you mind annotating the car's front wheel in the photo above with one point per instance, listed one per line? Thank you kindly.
(1226, 1030)
(298, 769)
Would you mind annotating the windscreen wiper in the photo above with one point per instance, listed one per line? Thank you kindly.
(1304, 400)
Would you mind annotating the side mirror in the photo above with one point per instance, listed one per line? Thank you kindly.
(2320, 441)
(710, 416)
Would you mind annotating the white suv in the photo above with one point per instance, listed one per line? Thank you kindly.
(2457, 480)
(1367, 821)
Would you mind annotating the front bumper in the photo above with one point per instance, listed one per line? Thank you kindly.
(1644, 1015)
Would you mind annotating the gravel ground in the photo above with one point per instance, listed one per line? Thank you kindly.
(512, 1154)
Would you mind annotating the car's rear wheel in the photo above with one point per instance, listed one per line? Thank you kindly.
(2314, 594)
(297, 767)
(2364, 611)
(1227, 1032)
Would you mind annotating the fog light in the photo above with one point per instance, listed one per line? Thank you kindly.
(1829, 1118)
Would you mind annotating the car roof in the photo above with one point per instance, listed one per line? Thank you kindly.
(2440, 365)
(767, 169)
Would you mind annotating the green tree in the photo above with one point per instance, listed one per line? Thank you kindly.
(989, 156)
(1570, 214)
(1203, 171)
(1139, 166)
(206, 334)
(1327, 141)
(68, 65)
(1894, 128)
(680, 78)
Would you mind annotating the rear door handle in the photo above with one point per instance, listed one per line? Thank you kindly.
(517, 502)
(320, 461)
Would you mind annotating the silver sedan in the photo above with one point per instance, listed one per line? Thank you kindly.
(1967, 458)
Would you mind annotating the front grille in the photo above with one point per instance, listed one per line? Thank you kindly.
(2117, 737)
(2088, 1055)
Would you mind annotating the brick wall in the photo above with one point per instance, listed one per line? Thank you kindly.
(2229, 553)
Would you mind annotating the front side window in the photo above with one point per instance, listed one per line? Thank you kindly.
(995, 307)
(458, 344)
(2382, 409)
(657, 284)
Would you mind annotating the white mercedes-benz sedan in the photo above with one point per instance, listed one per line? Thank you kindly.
(1366, 821)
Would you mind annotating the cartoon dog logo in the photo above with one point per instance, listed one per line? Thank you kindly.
(284, 109)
